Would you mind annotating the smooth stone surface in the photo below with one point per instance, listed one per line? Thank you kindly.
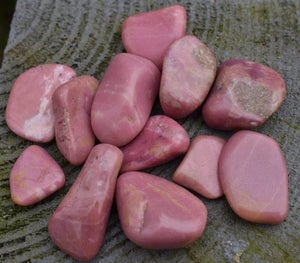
(198, 170)
(254, 177)
(158, 214)
(189, 70)
(245, 95)
(72, 103)
(161, 140)
(124, 99)
(29, 111)
(79, 223)
(34, 176)
(150, 34)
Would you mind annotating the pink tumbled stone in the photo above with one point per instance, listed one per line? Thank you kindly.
(150, 34)
(79, 223)
(72, 104)
(34, 176)
(161, 140)
(245, 95)
(254, 177)
(158, 214)
(188, 73)
(29, 111)
(124, 99)
(199, 169)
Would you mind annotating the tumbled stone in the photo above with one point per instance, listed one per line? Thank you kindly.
(199, 169)
(34, 176)
(161, 140)
(245, 95)
(188, 73)
(29, 111)
(124, 99)
(150, 34)
(72, 104)
(254, 177)
(79, 223)
(158, 214)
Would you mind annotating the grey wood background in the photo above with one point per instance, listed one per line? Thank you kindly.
(85, 35)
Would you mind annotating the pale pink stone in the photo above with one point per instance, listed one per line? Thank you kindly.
(124, 99)
(34, 176)
(29, 111)
(199, 169)
(72, 104)
(254, 177)
(245, 95)
(158, 214)
(188, 73)
(150, 34)
(79, 223)
(161, 140)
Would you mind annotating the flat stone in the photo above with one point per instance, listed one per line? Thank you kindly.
(158, 214)
(29, 111)
(199, 169)
(124, 99)
(79, 223)
(161, 140)
(34, 176)
(189, 70)
(245, 95)
(254, 177)
(72, 103)
(150, 34)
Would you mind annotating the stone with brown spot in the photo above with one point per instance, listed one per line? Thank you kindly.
(245, 95)
(158, 214)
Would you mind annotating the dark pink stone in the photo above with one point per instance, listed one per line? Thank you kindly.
(124, 99)
(158, 214)
(72, 104)
(254, 177)
(29, 111)
(150, 34)
(34, 176)
(199, 169)
(189, 71)
(245, 95)
(161, 140)
(79, 223)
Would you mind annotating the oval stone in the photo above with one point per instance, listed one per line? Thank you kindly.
(34, 176)
(150, 34)
(188, 73)
(29, 111)
(158, 214)
(245, 95)
(199, 169)
(72, 104)
(79, 223)
(161, 140)
(254, 177)
(124, 99)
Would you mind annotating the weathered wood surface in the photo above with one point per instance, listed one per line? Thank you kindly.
(85, 35)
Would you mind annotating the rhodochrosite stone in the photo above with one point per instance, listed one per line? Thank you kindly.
(72, 104)
(29, 111)
(199, 169)
(188, 73)
(79, 223)
(245, 95)
(254, 177)
(150, 34)
(124, 99)
(34, 176)
(161, 140)
(158, 214)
